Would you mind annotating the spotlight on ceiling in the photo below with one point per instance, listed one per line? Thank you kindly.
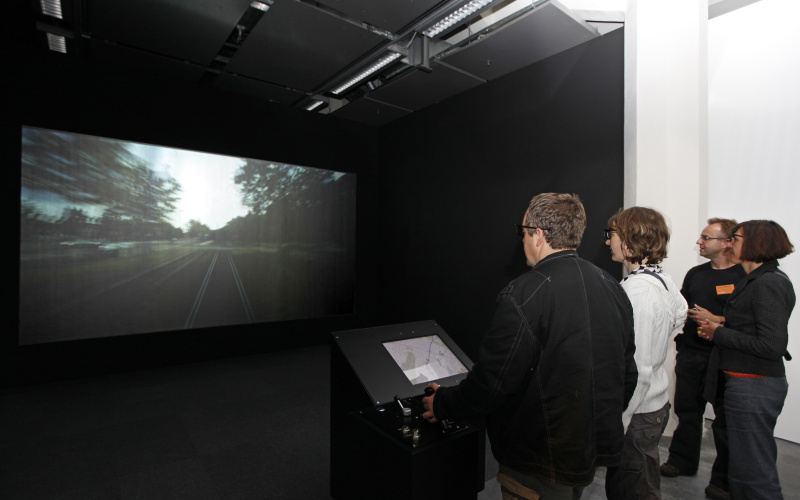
(57, 43)
(51, 8)
(262, 6)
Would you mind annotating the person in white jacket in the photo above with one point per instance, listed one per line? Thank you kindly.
(638, 238)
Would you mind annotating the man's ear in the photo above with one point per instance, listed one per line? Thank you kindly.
(542, 240)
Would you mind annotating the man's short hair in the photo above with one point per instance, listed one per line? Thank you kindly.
(644, 232)
(726, 224)
(560, 215)
(763, 240)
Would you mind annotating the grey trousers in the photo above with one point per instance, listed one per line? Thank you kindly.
(638, 476)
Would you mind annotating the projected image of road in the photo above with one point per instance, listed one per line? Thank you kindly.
(120, 238)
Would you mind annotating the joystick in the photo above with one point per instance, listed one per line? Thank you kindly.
(429, 391)
(405, 409)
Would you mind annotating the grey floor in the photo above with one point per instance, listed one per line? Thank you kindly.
(685, 487)
(250, 427)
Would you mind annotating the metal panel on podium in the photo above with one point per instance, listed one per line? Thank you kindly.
(381, 447)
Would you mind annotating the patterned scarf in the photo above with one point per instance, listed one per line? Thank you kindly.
(652, 268)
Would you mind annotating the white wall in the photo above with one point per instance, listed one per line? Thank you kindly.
(754, 139)
(666, 124)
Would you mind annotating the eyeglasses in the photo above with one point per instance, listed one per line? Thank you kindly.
(520, 227)
(706, 238)
(607, 233)
(734, 236)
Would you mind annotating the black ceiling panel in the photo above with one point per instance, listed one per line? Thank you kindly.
(255, 88)
(420, 89)
(190, 30)
(295, 49)
(539, 34)
(143, 61)
(370, 112)
(297, 46)
(392, 15)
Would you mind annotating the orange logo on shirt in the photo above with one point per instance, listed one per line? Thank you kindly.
(725, 289)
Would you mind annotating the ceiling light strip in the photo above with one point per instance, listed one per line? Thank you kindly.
(383, 61)
(314, 105)
(457, 16)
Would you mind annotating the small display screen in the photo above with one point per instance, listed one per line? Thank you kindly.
(424, 359)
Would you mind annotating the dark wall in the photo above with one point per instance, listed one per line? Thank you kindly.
(59, 92)
(457, 176)
(438, 192)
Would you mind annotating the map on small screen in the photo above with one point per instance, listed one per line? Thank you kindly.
(424, 359)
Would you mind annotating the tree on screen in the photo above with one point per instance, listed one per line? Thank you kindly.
(293, 203)
(85, 170)
(265, 183)
(196, 229)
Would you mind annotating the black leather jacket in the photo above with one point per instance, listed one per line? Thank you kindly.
(554, 372)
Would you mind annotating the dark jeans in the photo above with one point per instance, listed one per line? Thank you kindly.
(690, 406)
(752, 406)
(638, 476)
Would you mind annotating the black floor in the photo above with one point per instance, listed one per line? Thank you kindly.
(251, 427)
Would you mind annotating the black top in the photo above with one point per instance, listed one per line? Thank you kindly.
(709, 288)
(756, 332)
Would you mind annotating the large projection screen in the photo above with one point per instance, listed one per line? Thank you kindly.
(120, 238)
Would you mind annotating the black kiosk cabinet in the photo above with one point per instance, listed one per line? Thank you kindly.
(381, 447)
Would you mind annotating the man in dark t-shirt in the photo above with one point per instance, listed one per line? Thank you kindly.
(706, 289)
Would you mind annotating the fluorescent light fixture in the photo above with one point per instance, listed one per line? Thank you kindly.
(263, 7)
(51, 8)
(57, 43)
(383, 61)
(460, 14)
(314, 105)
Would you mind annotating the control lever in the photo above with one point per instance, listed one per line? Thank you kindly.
(405, 409)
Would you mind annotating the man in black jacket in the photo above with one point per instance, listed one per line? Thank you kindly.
(556, 369)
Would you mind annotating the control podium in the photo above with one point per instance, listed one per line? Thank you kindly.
(381, 447)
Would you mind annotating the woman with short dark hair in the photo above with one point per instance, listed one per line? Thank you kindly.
(748, 354)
